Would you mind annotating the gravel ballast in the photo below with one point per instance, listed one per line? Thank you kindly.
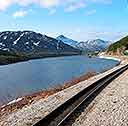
(110, 107)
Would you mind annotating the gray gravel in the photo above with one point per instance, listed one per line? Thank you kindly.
(110, 107)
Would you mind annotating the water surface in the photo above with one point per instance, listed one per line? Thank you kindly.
(27, 77)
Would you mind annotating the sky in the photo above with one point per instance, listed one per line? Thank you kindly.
(77, 19)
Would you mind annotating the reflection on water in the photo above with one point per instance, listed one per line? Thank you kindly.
(24, 78)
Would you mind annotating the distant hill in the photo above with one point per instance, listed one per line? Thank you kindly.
(118, 47)
(29, 44)
(88, 46)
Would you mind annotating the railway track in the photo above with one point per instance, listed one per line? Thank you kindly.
(60, 116)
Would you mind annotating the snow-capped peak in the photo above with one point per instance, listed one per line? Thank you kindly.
(67, 40)
(89, 45)
(93, 45)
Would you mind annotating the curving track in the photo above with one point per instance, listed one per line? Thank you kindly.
(60, 116)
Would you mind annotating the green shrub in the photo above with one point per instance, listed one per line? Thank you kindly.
(121, 44)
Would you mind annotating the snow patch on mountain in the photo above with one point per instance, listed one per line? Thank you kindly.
(5, 37)
(93, 45)
(34, 43)
(67, 40)
(89, 45)
(15, 42)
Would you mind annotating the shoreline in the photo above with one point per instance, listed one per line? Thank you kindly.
(109, 57)
(26, 59)
(57, 86)
(112, 57)
(121, 58)
(20, 102)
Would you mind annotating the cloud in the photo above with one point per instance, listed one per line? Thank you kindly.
(90, 12)
(52, 11)
(20, 13)
(100, 1)
(69, 5)
(48, 3)
(4, 4)
(75, 6)
(24, 2)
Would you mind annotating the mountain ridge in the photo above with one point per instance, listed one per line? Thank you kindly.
(89, 45)
(32, 45)
(67, 40)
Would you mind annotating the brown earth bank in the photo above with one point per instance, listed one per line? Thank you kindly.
(118, 52)
(27, 100)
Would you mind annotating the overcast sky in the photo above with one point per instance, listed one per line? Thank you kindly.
(77, 19)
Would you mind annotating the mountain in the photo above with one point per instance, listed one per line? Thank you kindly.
(93, 45)
(67, 41)
(119, 48)
(32, 45)
(90, 45)
(32, 42)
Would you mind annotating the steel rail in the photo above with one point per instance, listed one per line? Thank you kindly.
(59, 116)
